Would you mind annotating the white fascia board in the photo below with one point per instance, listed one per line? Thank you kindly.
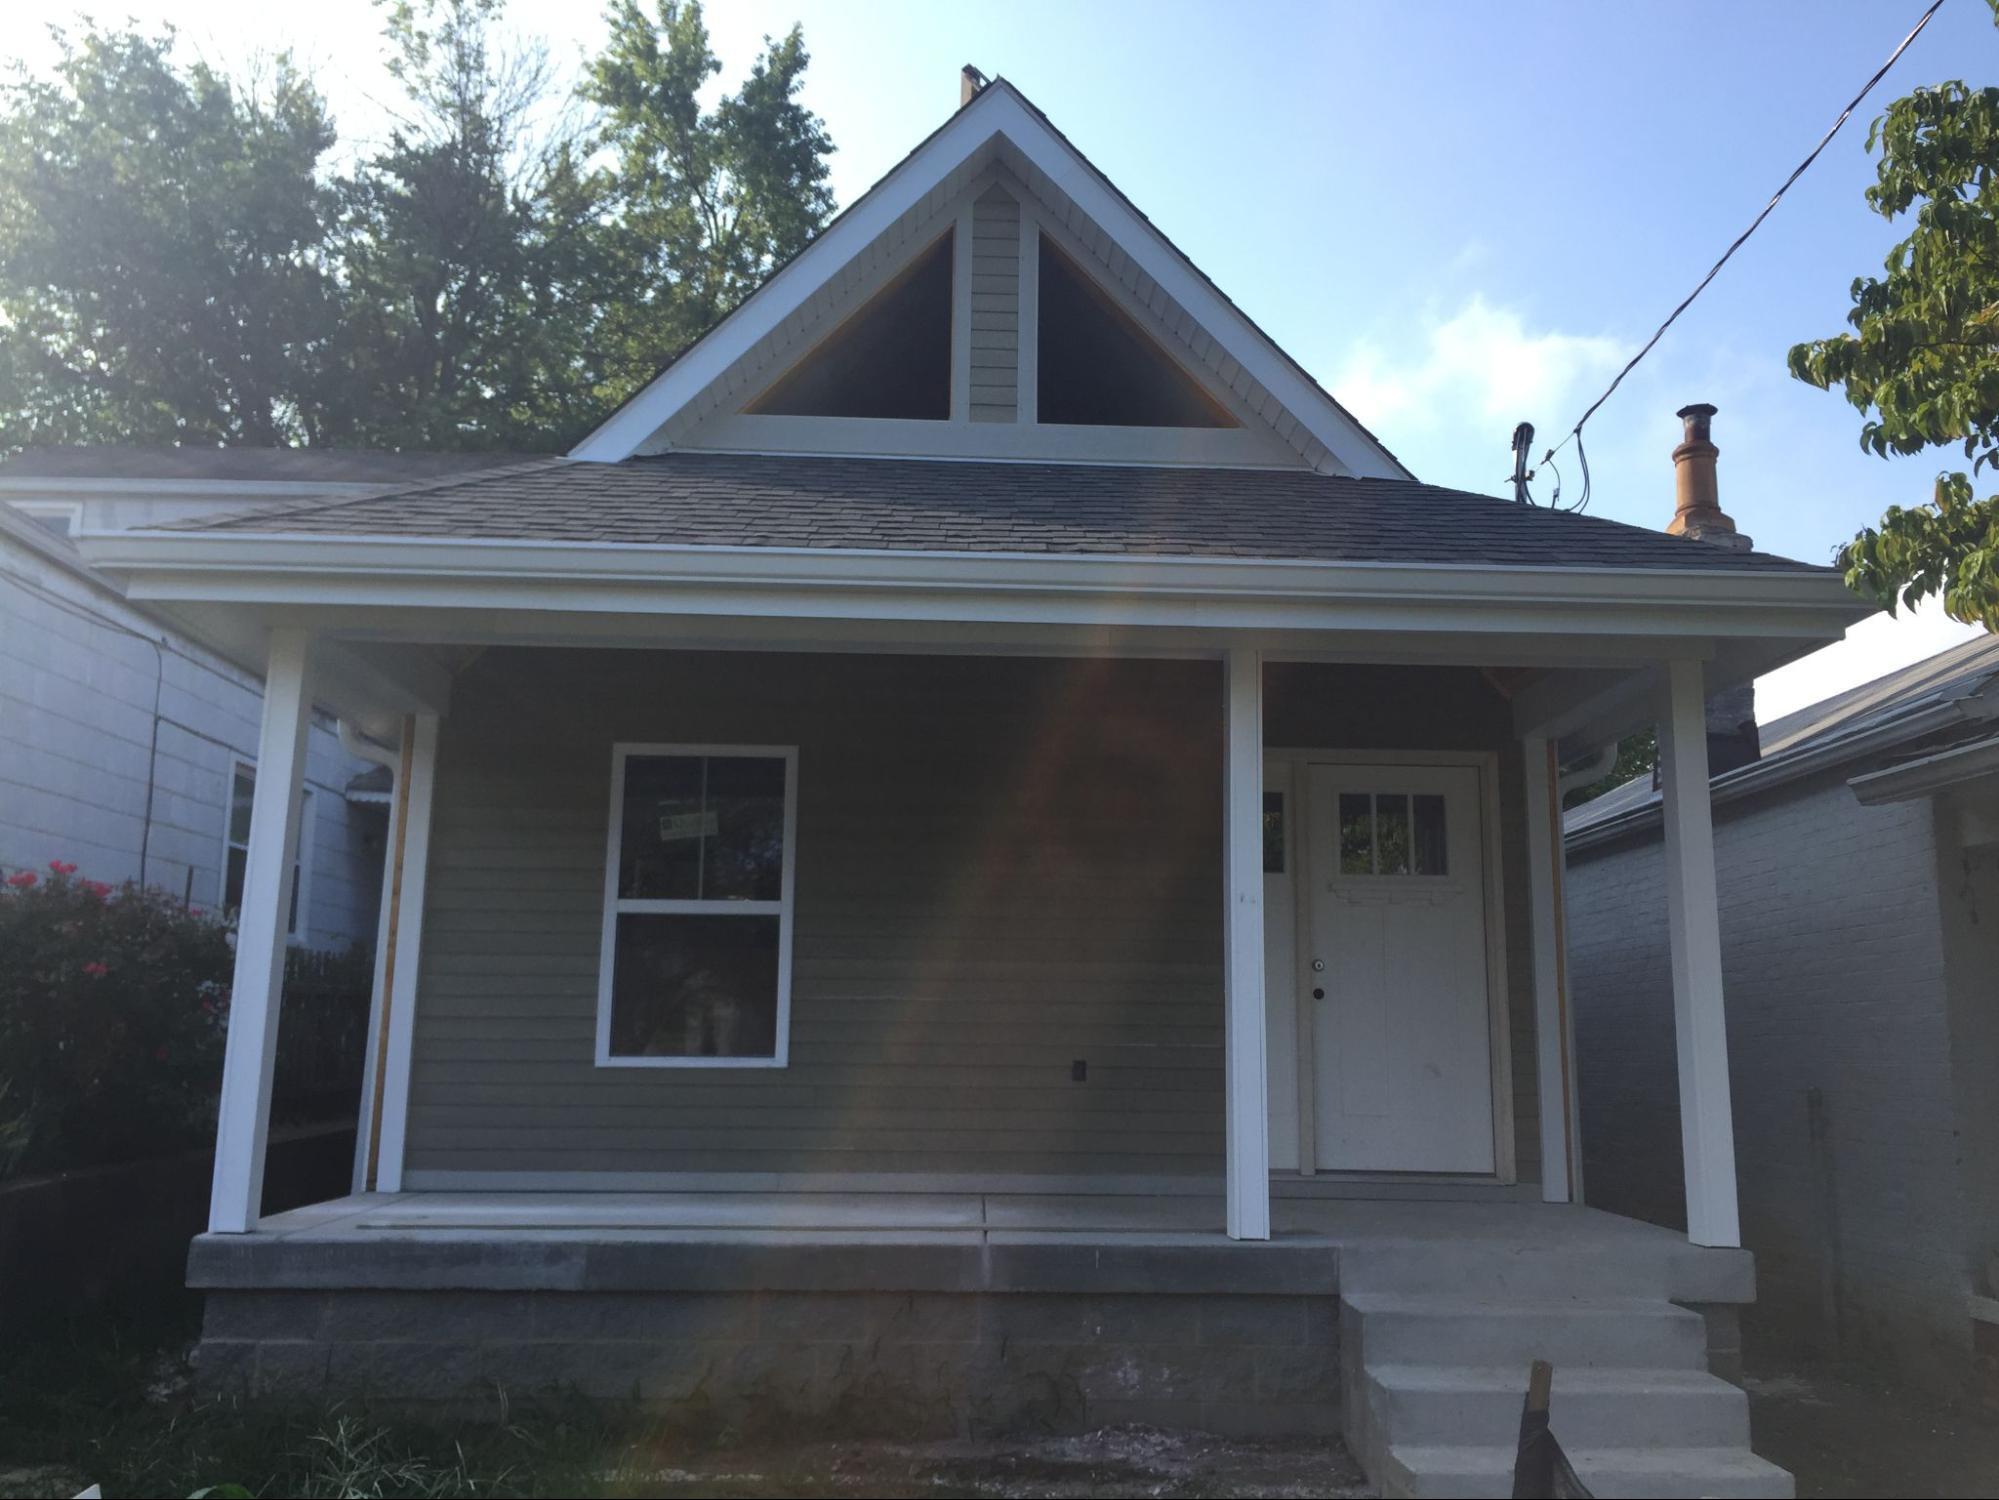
(1235, 593)
(997, 112)
(1150, 250)
(196, 489)
(626, 430)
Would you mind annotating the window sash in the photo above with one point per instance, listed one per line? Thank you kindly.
(719, 906)
(246, 770)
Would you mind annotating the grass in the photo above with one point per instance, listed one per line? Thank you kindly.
(108, 1400)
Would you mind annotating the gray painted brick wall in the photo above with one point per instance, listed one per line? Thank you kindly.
(1838, 1056)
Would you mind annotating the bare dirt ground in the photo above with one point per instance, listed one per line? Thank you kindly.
(1843, 1435)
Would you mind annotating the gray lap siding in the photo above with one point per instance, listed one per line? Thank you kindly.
(1004, 866)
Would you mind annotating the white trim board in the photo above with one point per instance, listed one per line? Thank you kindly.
(999, 124)
(1259, 594)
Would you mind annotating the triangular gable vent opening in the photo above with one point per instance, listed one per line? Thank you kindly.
(1098, 368)
(892, 358)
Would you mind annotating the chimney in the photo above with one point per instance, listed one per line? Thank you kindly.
(970, 81)
(1697, 512)
(1732, 738)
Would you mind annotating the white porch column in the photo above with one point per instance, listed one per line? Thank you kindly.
(1707, 1126)
(1553, 1081)
(368, 1128)
(1246, 1065)
(243, 1120)
(411, 879)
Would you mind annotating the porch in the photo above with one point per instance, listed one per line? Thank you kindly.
(1401, 1324)
(997, 958)
(1091, 1237)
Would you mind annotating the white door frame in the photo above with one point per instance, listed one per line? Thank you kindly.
(1498, 1010)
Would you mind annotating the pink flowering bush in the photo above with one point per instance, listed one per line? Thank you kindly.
(112, 1009)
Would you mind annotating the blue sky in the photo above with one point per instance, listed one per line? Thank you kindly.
(1457, 216)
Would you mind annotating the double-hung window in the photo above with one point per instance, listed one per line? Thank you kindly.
(236, 848)
(695, 969)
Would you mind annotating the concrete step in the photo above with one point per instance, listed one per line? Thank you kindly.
(1621, 1332)
(1591, 1407)
(1415, 1469)
(1427, 1267)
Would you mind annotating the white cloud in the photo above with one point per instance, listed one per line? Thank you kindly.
(1472, 374)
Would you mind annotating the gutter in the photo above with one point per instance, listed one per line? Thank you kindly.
(294, 555)
(1794, 765)
(1928, 773)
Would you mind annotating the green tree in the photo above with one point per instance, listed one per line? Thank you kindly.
(1637, 754)
(162, 249)
(468, 250)
(1922, 361)
(706, 203)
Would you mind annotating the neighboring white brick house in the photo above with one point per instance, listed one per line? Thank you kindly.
(121, 737)
(1860, 942)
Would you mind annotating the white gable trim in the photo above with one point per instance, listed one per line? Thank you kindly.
(997, 114)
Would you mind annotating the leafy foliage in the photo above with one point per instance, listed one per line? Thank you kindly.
(164, 273)
(1637, 755)
(185, 258)
(706, 203)
(467, 247)
(112, 1008)
(1922, 361)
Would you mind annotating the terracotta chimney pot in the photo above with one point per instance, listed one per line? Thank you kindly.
(1697, 512)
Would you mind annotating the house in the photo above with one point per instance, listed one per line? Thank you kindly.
(981, 853)
(1859, 893)
(130, 747)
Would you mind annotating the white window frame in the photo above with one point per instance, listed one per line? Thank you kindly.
(615, 906)
(298, 936)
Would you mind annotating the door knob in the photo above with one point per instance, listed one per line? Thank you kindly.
(1318, 994)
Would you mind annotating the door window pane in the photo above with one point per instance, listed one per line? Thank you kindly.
(1356, 834)
(694, 986)
(1430, 843)
(1391, 834)
(702, 828)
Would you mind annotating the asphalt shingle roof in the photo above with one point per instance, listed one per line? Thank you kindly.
(1957, 675)
(733, 500)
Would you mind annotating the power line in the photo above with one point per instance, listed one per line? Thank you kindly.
(1576, 432)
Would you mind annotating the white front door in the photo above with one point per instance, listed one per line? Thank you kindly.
(1401, 1025)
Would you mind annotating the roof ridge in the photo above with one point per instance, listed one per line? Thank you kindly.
(315, 504)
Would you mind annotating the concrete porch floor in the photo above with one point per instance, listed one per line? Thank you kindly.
(922, 1241)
